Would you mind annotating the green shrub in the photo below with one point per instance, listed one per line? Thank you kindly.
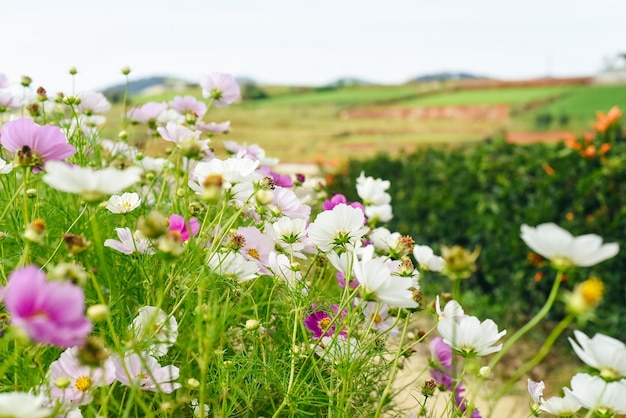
(480, 196)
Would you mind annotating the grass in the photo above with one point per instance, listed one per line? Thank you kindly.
(299, 124)
(506, 95)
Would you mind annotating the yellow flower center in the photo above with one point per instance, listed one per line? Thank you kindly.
(252, 252)
(324, 323)
(592, 290)
(126, 204)
(377, 318)
(83, 383)
(141, 375)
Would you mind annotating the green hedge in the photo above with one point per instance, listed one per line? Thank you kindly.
(482, 194)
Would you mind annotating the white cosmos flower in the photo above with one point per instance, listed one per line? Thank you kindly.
(93, 102)
(154, 326)
(452, 310)
(4, 167)
(340, 227)
(234, 265)
(563, 407)
(381, 213)
(383, 239)
(377, 282)
(469, 336)
(130, 243)
(289, 234)
(427, 259)
(337, 349)
(231, 170)
(601, 352)
(372, 191)
(22, 405)
(563, 249)
(536, 390)
(125, 203)
(596, 394)
(145, 372)
(91, 185)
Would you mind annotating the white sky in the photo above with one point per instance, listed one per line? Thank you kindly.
(305, 42)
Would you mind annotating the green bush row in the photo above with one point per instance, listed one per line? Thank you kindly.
(481, 194)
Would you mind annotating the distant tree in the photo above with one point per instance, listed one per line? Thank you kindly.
(251, 91)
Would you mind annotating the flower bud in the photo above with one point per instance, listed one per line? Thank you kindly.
(26, 81)
(460, 263)
(154, 225)
(125, 70)
(252, 324)
(97, 313)
(35, 231)
(429, 387)
(73, 70)
(62, 382)
(193, 383)
(264, 197)
(75, 244)
(93, 353)
(485, 372)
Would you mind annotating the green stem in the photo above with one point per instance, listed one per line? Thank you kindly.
(394, 369)
(530, 324)
(543, 351)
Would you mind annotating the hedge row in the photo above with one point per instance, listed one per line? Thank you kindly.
(480, 195)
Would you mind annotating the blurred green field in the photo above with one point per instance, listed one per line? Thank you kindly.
(298, 124)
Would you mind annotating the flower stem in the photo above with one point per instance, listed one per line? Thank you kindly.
(530, 324)
(394, 370)
(543, 351)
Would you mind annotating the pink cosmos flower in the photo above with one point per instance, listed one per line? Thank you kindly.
(49, 312)
(257, 247)
(321, 325)
(148, 113)
(130, 243)
(145, 372)
(34, 144)
(339, 199)
(188, 105)
(93, 102)
(289, 204)
(8, 101)
(220, 87)
(83, 378)
(213, 127)
(178, 224)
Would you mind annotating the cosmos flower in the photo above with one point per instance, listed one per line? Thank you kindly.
(4, 167)
(338, 349)
(234, 265)
(320, 322)
(289, 234)
(145, 372)
(147, 113)
(601, 352)
(563, 249)
(188, 105)
(82, 378)
(257, 246)
(49, 312)
(178, 224)
(130, 243)
(152, 325)
(215, 128)
(377, 316)
(93, 102)
(125, 203)
(596, 394)
(377, 283)
(426, 258)
(566, 406)
(340, 227)
(33, 145)
(373, 191)
(469, 336)
(91, 185)
(22, 405)
(220, 87)
(337, 199)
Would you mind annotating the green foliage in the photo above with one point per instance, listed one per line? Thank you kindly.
(480, 195)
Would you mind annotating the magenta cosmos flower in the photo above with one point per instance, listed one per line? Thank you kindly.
(178, 224)
(33, 145)
(49, 312)
(220, 87)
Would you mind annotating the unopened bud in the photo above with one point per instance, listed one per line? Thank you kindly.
(35, 231)
(125, 70)
(97, 313)
(62, 382)
(252, 324)
(73, 70)
(123, 135)
(264, 197)
(485, 372)
(193, 383)
(31, 193)
(154, 225)
(75, 244)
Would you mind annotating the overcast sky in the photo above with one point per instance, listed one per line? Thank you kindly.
(305, 42)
